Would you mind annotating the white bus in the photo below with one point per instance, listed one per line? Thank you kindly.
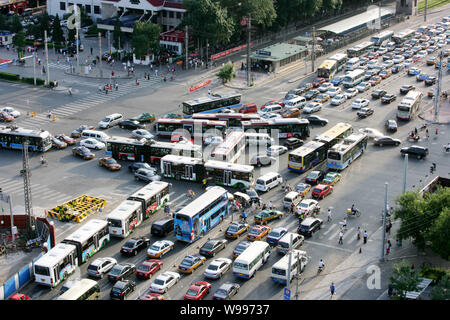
(280, 269)
(229, 174)
(378, 39)
(341, 59)
(409, 105)
(353, 78)
(153, 197)
(85, 289)
(342, 154)
(56, 265)
(249, 261)
(352, 64)
(403, 36)
(182, 168)
(124, 218)
(89, 238)
(327, 69)
(360, 49)
(231, 148)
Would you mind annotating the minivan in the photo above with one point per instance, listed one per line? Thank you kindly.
(352, 64)
(276, 108)
(97, 135)
(162, 227)
(292, 197)
(110, 121)
(258, 139)
(249, 108)
(390, 46)
(283, 243)
(298, 102)
(268, 181)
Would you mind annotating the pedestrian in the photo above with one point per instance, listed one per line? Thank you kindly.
(387, 250)
(209, 92)
(269, 205)
(145, 75)
(415, 131)
(329, 217)
(437, 130)
(116, 85)
(167, 209)
(259, 202)
(358, 233)
(49, 114)
(332, 288)
(427, 134)
(341, 235)
(264, 206)
(365, 235)
(156, 72)
(344, 223)
(291, 209)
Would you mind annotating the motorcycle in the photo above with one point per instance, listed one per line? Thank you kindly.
(353, 213)
(446, 148)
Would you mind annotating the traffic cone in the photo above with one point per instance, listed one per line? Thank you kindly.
(360, 251)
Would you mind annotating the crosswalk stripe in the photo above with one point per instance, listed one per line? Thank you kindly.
(348, 232)
(43, 191)
(10, 183)
(177, 198)
(334, 235)
(178, 205)
(329, 229)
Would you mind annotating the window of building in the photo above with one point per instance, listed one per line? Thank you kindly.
(178, 15)
(62, 6)
(170, 14)
(96, 9)
(164, 14)
(87, 8)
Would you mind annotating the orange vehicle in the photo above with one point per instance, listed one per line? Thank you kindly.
(4, 116)
(109, 163)
(291, 113)
(258, 232)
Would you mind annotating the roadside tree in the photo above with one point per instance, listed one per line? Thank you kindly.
(404, 279)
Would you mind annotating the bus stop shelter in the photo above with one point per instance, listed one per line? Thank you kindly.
(276, 56)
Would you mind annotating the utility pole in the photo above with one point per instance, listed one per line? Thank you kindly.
(77, 41)
(34, 66)
(313, 53)
(298, 276)
(288, 279)
(100, 53)
(437, 97)
(46, 57)
(186, 43)
(249, 26)
(27, 186)
(425, 13)
(383, 231)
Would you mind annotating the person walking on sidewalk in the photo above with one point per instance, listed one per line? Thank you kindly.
(365, 235)
(341, 235)
(332, 290)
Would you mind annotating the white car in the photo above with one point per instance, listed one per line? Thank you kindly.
(142, 133)
(164, 281)
(339, 99)
(227, 111)
(307, 206)
(422, 53)
(333, 91)
(407, 63)
(312, 107)
(360, 103)
(371, 133)
(276, 150)
(213, 140)
(91, 143)
(324, 87)
(271, 115)
(160, 248)
(11, 111)
(99, 267)
(217, 268)
(350, 93)
(372, 63)
(398, 59)
(387, 64)
(363, 86)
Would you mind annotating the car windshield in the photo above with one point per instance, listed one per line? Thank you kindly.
(155, 248)
(313, 175)
(221, 293)
(116, 270)
(144, 268)
(110, 161)
(129, 244)
(303, 205)
(255, 231)
(232, 228)
(106, 119)
(159, 282)
(274, 234)
(208, 245)
(192, 292)
(187, 262)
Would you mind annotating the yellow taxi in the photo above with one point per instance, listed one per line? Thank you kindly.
(386, 73)
(160, 248)
(190, 263)
(302, 188)
(331, 178)
(258, 232)
(235, 229)
(109, 163)
(268, 215)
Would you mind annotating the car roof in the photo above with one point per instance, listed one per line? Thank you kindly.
(308, 221)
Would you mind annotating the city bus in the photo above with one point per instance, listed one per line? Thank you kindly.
(152, 197)
(233, 120)
(379, 38)
(182, 168)
(201, 215)
(341, 59)
(231, 147)
(287, 128)
(344, 153)
(249, 261)
(360, 49)
(122, 148)
(125, 218)
(334, 134)
(12, 137)
(327, 69)
(85, 289)
(353, 78)
(167, 127)
(409, 105)
(212, 103)
(403, 36)
(56, 265)
(234, 175)
(280, 269)
(89, 238)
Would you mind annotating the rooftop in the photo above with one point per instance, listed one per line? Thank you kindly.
(277, 52)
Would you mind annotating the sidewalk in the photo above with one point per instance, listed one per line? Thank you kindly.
(444, 112)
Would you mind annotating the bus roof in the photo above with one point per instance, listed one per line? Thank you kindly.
(230, 141)
(338, 56)
(150, 189)
(193, 121)
(354, 73)
(227, 116)
(333, 132)
(212, 97)
(125, 140)
(383, 34)
(85, 232)
(24, 132)
(275, 121)
(123, 209)
(54, 255)
(348, 142)
(327, 64)
(181, 160)
(73, 292)
(228, 165)
(307, 148)
(252, 251)
(176, 145)
(202, 201)
(283, 262)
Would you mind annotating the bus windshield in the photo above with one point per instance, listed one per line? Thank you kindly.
(404, 108)
(242, 266)
(115, 223)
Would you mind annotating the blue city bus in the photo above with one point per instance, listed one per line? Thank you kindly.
(12, 137)
(211, 104)
(201, 215)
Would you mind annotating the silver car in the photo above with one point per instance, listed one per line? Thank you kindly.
(146, 175)
(142, 133)
(99, 267)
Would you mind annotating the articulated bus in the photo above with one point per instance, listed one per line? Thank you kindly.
(231, 147)
(166, 127)
(381, 37)
(233, 120)
(360, 49)
(89, 238)
(287, 128)
(341, 59)
(153, 197)
(249, 261)
(125, 218)
(201, 215)
(353, 78)
(327, 69)
(182, 168)
(234, 175)
(212, 103)
(12, 137)
(280, 269)
(403, 36)
(342, 154)
(409, 105)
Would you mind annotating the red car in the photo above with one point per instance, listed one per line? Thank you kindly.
(197, 291)
(373, 55)
(4, 116)
(317, 82)
(62, 137)
(152, 296)
(19, 296)
(249, 108)
(415, 58)
(321, 190)
(179, 138)
(147, 268)
(272, 102)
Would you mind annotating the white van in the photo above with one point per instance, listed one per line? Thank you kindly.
(298, 102)
(97, 135)
(283, 243)
(390, 46)
(110, 121)
(259, 139)
(275, 108)
(292, 197)
(352, 64)
(268, 181)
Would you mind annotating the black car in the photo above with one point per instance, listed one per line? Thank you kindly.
(317, 120)
(226, 291)
(308, 226)
(416, 151)
(131, 124)
(252, 194)
(404, 89)
(397, 68)
(430, 81)
(262, 160)
(292, 143)
(314, 177)
(83, 152)
(138, 165)
(211, 247)
(132, 246)
(121, 271)
(121, 289)
(386, 141)
(365, 112)
(378, 93)
(388, 98)
(162, 227)
(311, 94)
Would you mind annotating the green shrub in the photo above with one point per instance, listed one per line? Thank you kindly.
(9, 76)
(433, 273)
(39, 81)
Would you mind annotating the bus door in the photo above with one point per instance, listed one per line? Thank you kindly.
(56, 273)
(139, 216)
(208, 223)
(188, 172)
(158, 200)
(227, 177)
(96, 244)
(168, 168)
(189, 128)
